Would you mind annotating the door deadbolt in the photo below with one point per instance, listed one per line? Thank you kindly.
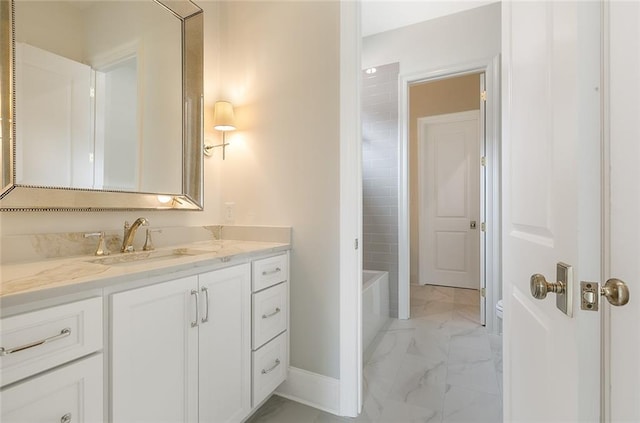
(614, 290)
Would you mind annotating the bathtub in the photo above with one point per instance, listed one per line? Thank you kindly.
(375, 305)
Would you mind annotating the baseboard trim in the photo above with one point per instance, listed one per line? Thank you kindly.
(312, 389)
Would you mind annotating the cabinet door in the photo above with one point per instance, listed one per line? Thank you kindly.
(155, 353)
(70, 394)
(225, 345)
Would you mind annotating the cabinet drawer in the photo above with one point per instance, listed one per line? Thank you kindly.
(269, 314)
(39, 340)
(72, 393)
(270, 271)
(269, 368)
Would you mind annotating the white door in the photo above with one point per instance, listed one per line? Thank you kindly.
(624, 135)
(154, 353)
(225, 345)
(53, 119)
(449, 199)
(552, 208)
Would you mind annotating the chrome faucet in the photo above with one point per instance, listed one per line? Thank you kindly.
(130, 233)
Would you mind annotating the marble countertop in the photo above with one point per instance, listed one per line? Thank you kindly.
(94, 272)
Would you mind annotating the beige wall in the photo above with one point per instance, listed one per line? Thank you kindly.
(281, 71)
(441, 97)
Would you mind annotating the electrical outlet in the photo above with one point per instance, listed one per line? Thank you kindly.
(229, 212)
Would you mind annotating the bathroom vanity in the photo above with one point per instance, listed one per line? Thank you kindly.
(194, 333)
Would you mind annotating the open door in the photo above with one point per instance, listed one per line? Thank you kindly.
(555, 213)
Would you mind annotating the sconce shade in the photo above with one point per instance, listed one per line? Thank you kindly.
(223, 118)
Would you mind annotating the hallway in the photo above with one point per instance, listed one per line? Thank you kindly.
(438, 366)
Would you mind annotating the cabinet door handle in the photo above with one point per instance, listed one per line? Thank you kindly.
(205, 319)
(271, 272)
(66, 418)
(196, 294)
(63, 334)
(266, 316)
(272, 368)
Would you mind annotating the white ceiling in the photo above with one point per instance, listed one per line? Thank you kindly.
(384, 15)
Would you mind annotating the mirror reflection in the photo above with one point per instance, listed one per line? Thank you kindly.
(98, 95)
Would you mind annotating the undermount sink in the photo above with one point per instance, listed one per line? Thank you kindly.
(127, 259)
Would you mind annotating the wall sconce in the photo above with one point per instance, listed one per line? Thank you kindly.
(223, 120)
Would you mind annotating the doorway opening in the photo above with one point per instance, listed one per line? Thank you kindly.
(448, 208)
(446, 175)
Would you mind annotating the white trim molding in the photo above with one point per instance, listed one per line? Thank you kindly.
(351, 366)
(312, 389)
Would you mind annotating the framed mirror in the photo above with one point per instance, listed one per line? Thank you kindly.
(101, 105)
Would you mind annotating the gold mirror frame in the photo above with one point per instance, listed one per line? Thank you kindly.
(16, 197)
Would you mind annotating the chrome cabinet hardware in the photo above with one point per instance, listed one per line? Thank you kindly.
(63, 334)
(272, 368)
(540, 287)
(614, 290)
(277, 269)
(266, 316)
(197, 296)
(66, 418)
(205, 319)
(101, 249)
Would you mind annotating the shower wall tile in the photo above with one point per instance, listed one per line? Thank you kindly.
(380, 174)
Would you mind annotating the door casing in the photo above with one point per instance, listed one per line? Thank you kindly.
(491, 68)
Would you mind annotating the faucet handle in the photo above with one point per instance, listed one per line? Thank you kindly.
(101, 250)
(148, 243)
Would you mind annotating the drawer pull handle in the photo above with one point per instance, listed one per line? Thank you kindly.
(277, 270)
(63, 334)
(266, 316)
(272, 368)
(205, 319)
(197, 296)
(66, 418)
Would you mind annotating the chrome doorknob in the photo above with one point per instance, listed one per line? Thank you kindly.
(540, 287)
(616, 292)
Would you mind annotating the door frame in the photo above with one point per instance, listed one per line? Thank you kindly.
(491, 68)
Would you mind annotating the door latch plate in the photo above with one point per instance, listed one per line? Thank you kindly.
(589, 296)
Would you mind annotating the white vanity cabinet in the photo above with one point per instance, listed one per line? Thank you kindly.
(51, 367)
(270, 342)
(181, 350)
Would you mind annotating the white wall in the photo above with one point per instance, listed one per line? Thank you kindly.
(460, 38)
(281, 71)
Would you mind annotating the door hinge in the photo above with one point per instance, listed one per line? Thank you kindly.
(483, 292)
(356, 244)
(483, 161)
(92, 92)
(483, 227)
(483, 95)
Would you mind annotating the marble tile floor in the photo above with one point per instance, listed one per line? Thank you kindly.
(439, 366)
